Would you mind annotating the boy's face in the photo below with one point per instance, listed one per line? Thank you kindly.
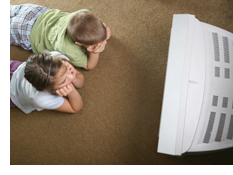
(92, 48)
(88, 46)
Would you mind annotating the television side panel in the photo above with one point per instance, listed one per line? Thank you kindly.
(170, 116)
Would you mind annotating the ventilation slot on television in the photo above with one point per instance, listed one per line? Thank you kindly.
(217, 71)
(209, 127)
(226, 49)
(225, 102)
(230, 130)
(216, 46)
(227, 73)
(220, 128)
(215, 101)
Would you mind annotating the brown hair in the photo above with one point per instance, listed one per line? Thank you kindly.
(37, 68)
(85, 28)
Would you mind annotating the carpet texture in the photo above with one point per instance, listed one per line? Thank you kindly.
(122, 96)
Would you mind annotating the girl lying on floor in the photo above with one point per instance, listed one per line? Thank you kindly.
(45, 81)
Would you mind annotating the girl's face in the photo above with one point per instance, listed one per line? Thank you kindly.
(68, 74)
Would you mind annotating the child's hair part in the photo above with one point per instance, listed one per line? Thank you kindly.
(37, 69)
(85, 28)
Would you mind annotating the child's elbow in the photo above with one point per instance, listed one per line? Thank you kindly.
(89, 67)
(82, 81)
(79, 108)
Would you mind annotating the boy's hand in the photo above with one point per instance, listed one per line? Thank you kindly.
(65, 90)
(109, 33)
(98, 48)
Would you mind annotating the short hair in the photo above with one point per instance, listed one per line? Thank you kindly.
(85, 28)
(37, 68)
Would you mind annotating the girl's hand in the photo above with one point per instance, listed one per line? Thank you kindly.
(65, 90)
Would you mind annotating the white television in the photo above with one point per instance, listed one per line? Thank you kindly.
(197, 109)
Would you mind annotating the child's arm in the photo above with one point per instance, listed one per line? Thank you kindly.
(92, 61)
(94, 55)
(74, 102)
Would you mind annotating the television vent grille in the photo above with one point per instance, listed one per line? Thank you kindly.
(225, 102)
(215, 101)
(227, 73)
(220, 128)
(217, 71)
(226, 49)
(209, 127)
(216, 47)
(230, 130)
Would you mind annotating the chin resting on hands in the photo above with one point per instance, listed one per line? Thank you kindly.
(64, 91)
(98, 48)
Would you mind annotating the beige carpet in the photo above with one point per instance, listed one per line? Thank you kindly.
(122, 96)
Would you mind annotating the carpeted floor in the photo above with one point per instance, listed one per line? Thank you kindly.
(122, 96)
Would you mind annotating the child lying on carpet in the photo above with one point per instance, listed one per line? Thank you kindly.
(39, 28)
(43, 82)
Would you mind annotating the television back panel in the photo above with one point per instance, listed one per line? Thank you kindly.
(197, 111)
(215, 129)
